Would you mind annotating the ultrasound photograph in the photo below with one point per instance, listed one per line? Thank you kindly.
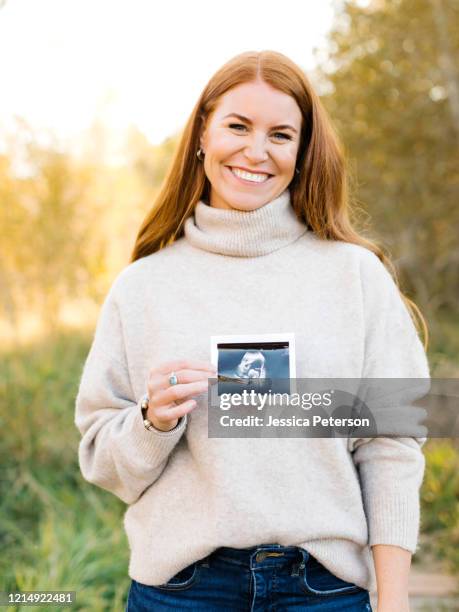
(263, 363)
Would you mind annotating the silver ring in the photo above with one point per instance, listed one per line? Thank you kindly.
(173, 379)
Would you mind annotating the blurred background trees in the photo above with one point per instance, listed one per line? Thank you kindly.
(49, 254)
(391, 84)
(68, 220)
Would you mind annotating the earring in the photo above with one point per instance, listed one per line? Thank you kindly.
(200, 154)
(297, 171)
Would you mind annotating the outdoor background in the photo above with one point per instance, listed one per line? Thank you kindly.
(93, 98)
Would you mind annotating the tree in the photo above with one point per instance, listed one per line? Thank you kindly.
(390, 85)
(47, 228)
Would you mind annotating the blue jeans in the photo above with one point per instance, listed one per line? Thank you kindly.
(268, 578)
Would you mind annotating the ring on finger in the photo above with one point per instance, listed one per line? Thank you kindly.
(173, 380)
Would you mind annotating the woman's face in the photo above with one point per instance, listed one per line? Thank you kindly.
(264, 139)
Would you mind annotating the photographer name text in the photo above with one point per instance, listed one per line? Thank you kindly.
(317, 421)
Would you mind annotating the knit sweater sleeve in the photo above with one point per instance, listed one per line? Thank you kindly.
(116, 451)
(390, 468)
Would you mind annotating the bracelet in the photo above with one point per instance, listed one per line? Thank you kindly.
(146, 422)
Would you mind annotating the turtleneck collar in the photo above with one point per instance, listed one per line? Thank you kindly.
(244, 234)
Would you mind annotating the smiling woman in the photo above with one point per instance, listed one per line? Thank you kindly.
(261, 152)
(250, 235)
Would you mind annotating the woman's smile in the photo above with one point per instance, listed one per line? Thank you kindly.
(247, 178)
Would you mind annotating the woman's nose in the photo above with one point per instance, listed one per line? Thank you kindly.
(256, 150)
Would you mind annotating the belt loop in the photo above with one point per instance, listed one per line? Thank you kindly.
(296, 567)
(252, 559)
(304, 554)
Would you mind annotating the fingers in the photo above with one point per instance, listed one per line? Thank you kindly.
(176, 393)
(174, 411)
(161, 381)
(167, 402)
(192, 371)
(181, 364)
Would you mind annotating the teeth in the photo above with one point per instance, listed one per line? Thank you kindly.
(248, 176)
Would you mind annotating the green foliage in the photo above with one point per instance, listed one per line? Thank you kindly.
(440, 501)
(46, 228)
(389, 80)
(444, 346)
(151, 163)
(57, 531)
(68, 223)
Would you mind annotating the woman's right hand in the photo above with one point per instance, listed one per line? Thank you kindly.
(166, 402)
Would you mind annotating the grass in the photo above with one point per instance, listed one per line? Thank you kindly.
(58, 532)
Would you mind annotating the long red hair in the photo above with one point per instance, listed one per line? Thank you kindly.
(319, 193)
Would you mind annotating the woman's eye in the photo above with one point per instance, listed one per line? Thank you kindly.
(286, 136)
(277, 134)
(236, 125)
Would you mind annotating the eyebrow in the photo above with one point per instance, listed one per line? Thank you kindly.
(275, 127)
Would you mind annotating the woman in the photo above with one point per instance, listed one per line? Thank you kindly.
(253, 211)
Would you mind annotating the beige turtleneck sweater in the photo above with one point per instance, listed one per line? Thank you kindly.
(250, 273)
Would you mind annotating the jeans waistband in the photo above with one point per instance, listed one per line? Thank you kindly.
(264, 555)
